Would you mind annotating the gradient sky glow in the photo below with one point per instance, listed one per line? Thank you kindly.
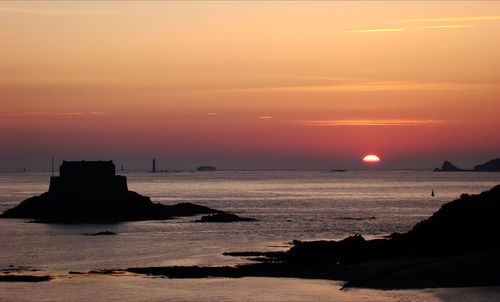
(249, 85)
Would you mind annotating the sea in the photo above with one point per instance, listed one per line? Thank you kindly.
(288, 205)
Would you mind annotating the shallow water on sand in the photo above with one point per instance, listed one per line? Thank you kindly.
(289, 205)
(221, 289)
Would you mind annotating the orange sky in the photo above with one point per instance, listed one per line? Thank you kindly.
(249, 84)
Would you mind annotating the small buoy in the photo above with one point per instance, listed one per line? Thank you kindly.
(432, 193)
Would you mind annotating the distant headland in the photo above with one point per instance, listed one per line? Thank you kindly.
(90, 192)
(492, 165)
(489, 166)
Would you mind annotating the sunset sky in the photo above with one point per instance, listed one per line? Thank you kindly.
(249, 85)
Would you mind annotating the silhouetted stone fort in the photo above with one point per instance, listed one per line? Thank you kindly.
(89, 178)
(89, 191)
(87, 168)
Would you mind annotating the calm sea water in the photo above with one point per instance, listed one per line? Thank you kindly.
(304, 205)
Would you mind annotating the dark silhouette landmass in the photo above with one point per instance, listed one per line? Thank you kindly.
(489, 166)
(448, 167)
(23, 278)
(105, 233)
(206, 168)
(357, 218)
(89, 191)
(459, 245)
(223, 217)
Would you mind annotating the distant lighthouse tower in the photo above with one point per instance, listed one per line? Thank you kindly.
(154, 166)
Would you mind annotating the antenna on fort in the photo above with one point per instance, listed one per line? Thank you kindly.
(154, 166)
(52, 165)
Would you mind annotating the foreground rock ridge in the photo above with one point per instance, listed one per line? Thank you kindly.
(459, 245)
(89, 191)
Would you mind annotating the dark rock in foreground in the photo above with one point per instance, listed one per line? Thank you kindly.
(468, 223)
(91, 192)
(448, 167)
(105, 233)
(458, 246)
(23, 278)
(489, 166)
(223, 217)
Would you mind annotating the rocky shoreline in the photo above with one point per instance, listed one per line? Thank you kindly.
(24, 278)
(403, 272)
(457, 246)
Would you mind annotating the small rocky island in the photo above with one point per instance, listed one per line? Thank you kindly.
(447, 167)
(206, 168)
(223, 217)
(90, 192)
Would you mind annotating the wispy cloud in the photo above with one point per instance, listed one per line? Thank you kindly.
(428, 20)
(298, 76)
(370, 86)
(367, 122)
(265, 117)
(405, 29)
(452, 19)
(212, 113)
(375, 30)
(31, 11)
(449, 26)
(46, 113)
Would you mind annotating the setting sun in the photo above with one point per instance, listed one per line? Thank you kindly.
(371, 158)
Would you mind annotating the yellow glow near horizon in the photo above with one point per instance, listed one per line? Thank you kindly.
(448, 26)
(474, 18)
